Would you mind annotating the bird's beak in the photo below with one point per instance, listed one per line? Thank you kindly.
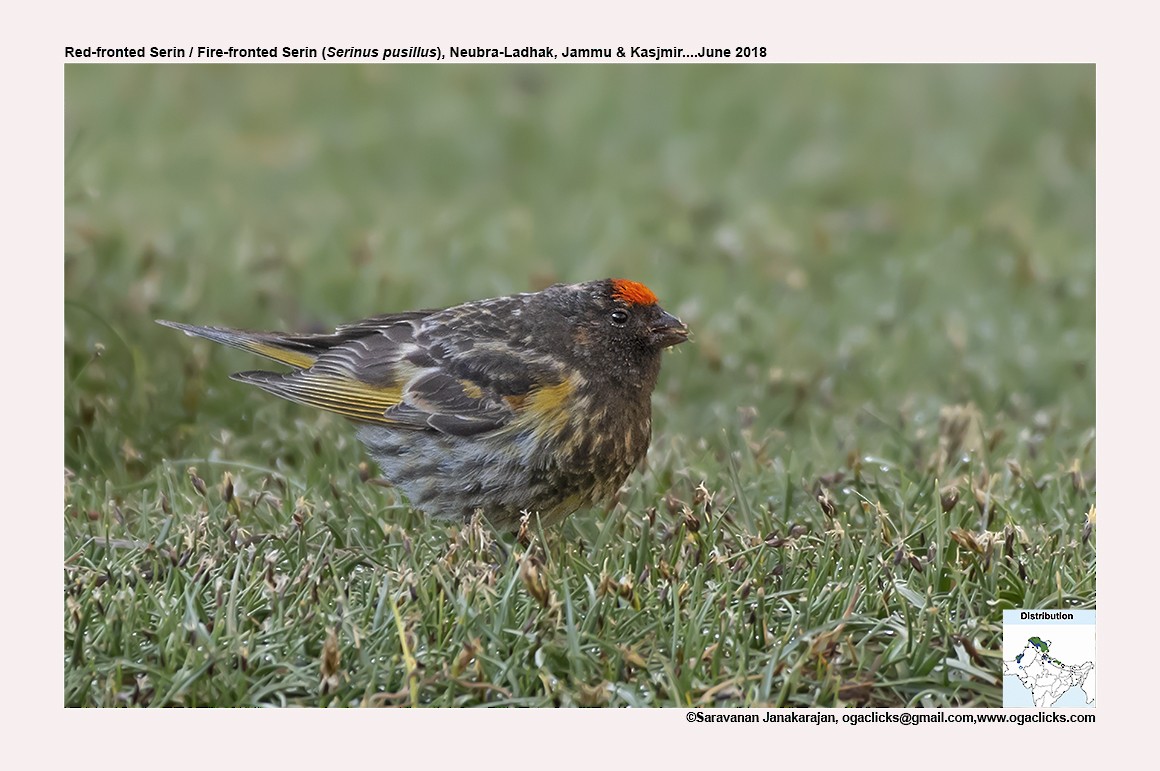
(669, 330)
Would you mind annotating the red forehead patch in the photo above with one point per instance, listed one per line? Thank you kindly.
(632, 293)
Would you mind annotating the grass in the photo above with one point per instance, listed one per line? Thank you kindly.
(880, 438)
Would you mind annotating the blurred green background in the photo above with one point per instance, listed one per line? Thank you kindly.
(881, 235)
(856, 248)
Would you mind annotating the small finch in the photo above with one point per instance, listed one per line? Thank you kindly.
(535, 403)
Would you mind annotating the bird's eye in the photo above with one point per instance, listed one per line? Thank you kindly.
(619, 317)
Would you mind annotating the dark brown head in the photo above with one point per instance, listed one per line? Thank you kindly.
(614, 329)
(637, 320)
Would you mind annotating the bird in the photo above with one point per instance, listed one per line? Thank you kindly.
(533, 404)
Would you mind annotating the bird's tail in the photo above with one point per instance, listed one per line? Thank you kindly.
(295, 352)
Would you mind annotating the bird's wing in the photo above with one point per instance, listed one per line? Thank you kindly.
(406, 373)
(295, 350)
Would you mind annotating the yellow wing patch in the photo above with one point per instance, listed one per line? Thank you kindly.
(295, 359)
(546, 409)
(350, 398)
